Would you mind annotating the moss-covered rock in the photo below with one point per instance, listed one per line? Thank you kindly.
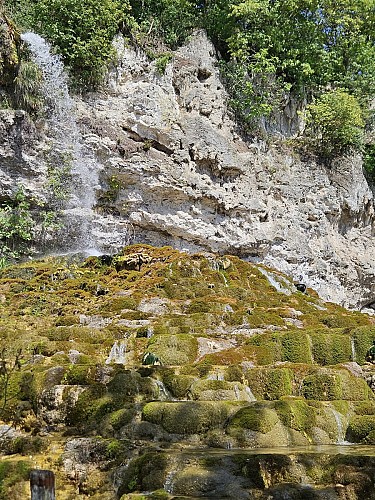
(174, 349)
(296, 414)
(256, 417)
(322, 386)
(360, 427)
(270, 383)
(328, 349)
(190, 417)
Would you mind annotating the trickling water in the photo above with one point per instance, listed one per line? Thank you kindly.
(340, 427)
(118, 353)
(354, 354)
(280, 287)
(236, 392)
(250, 393)
(66, 150)
(164, 394)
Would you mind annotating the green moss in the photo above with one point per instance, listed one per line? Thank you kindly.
(365, 408)
(270, 383)
(79, 375)
(296, 414)
(128, 385)
(296, 347)
(234, 374)
(190, 417)
(178, 385)
(174, 349)
(271, 344)
(331, 349)
(354, 388)
(145, 473)
(363, 338)
(359, 427)
(256, 417)
(322, 387)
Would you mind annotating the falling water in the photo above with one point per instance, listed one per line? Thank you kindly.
(163, 393)
(340, 427)
(285, 288)
(250, 393)
(118, 353)
(67, 149)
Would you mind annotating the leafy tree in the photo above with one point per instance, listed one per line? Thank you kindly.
(82, 31)
(337, 119)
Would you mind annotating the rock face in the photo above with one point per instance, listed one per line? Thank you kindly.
(173, 170)
(188, 179)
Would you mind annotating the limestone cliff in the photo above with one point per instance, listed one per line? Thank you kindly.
(174, 170)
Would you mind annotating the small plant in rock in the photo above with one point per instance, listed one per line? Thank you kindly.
(162, 62)
(16, 225)
(27, 84)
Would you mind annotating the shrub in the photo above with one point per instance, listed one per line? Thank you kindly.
(82, 31)
(337, 117)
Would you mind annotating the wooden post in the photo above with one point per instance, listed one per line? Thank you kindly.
(42, 485)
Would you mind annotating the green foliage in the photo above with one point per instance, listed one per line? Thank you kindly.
(369, 161)
(9, 45)
(82, 31)
(162, 61)
(338, 121)
(16, 225)
(168, 20)
(27, 86)
(12, 472)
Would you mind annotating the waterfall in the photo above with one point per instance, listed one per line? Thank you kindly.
(118, 353)
(73, 166)
(163, 393)
(340, 427)
(285, 287)
(250, 393)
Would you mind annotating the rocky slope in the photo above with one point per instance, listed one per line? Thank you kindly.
(170, 168)
(246, 364)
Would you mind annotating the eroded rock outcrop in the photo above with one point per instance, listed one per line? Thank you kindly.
(187, 178)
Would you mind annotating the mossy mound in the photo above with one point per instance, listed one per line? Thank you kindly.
(222, 335)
